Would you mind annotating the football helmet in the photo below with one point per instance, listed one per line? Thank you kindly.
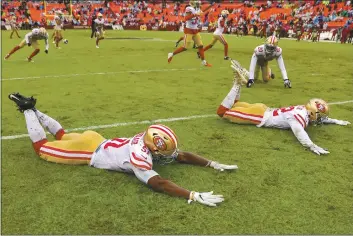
(225, 13)
(318, 110)
(162, 142)
(195, 3)
(99, 15)
(271, 44)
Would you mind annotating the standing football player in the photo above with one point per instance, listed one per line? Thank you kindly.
(93, 26)
(191, 31)
(59, 26)
(14, 27)
(31, 39)
(260, 58)
(99, 25)
(134, 155)
(218, 34)
(296, 118)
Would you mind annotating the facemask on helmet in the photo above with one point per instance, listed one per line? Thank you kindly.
(271, 44)
(318, 110)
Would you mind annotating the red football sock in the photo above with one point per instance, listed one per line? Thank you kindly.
(35, 52)
(202, 53)
(180, 39)
(38, 145)
(14, 50)
(179, 50)
(59, 134)
(221, 110)
(207, 47)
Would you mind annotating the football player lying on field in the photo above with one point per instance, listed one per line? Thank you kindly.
(296, 118)
(130, 155)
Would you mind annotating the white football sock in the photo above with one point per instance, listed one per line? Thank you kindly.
(49, 123)
(35, 130)
(234, 94)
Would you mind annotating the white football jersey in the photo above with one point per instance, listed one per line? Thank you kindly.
(99, 23)
(193, 22)
(295, 118)
(220, 26)
(282, 117)
(263, 56)
(128, 155)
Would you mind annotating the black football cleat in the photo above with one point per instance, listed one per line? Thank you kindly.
(272, 76)
(23, 103)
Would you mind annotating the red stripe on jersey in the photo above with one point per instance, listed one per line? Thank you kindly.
(141, 166)
(243, 118)
(140, 159)
(302, 120)
(63, 157)
(66, 151)
(301, 123)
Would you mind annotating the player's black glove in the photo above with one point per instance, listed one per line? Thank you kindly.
(250, 83)
(287, 83)
(29, 44)
(46, 51)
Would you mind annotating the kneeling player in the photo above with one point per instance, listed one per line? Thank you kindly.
(99, 24)
(296, 118)
(31, 39)
(130, 155)
(260, 58)
(218, 34)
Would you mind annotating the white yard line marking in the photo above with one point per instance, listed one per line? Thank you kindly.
(10, 137)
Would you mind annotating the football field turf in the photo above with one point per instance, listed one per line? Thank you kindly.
(280, 188)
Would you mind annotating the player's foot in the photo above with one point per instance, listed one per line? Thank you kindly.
(29, 59)
(170, 57)
(54, 42)
(272, 76)
(226, 58)
(198, 55)
(23, 103)
(7, 57)
(97, 46)
(205, 63)
(239, 78)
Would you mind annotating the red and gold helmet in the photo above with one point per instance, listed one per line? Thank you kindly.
(225, 13)
(162, 142)
(318, 110)
(271, 44)
(100, 15)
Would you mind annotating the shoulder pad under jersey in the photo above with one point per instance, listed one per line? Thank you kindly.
(259, 50)
(278, 51)
(140, 156)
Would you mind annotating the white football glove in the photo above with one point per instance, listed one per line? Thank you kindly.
(342, 122)
(318, 150)
(206, 198)
(217, 166)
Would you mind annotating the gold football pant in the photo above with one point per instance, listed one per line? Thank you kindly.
(196, 38)
(73, 148)
(246, 113)
(266, 71)
(34, 44)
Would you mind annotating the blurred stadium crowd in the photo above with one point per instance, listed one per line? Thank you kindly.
(256, 17)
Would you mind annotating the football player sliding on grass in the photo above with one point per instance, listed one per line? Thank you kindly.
(130, 155)
(31, 39)
(296, 118)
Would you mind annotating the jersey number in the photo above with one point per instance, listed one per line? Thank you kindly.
(283, 110)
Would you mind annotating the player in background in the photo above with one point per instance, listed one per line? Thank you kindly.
(129, 155)
(260, 58)
(99, 24)
(191, 31)
(299, 29)
(14, 27)
(296, 118)
(31, 39)
(218, 34)
(59, 26)
(93, 26)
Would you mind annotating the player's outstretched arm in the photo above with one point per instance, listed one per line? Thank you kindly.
(159, 184)
(335, 121)
(190, 158)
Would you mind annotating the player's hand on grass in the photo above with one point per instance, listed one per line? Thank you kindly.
(318, 150)
(287, 83)
(29, 44)
(207, 198)
(46, 51)
(221, 167)
(250, 83)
